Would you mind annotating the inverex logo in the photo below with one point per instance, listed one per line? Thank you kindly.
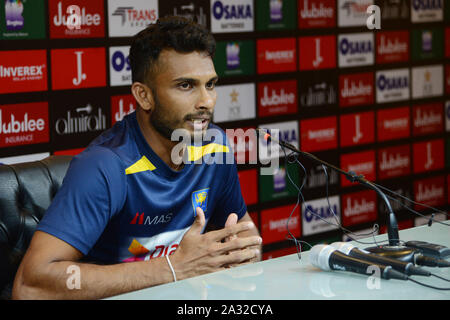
(22, 124)
(231, 16)
(274, 223)
(276, 55)
(319, 216)
(360, 163)
(393, 123)
(318, 134)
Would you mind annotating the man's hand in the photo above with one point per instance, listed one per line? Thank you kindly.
(204, 253)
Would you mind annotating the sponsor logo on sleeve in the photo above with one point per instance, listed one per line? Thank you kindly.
(126, 18)
(232, 16)
(22, 71)
(357, 129)
(91, 19)
(428, 155)
(83, 68)
(23, 124)
(359, 207)
(277, 97)
(393, 123)
(318, 134)
(317, 52)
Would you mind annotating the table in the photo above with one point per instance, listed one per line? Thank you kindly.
(291, 278)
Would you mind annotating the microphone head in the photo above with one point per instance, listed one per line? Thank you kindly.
(343, 247)
(319, 256)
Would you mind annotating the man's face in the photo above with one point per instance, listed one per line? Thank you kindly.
(183, 91)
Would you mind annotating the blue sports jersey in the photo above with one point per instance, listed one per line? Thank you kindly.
(120, 202)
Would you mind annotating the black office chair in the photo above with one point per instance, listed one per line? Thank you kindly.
(26, 191)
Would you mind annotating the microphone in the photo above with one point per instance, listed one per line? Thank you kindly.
(328, 258)
(405, 267)
(422, 260)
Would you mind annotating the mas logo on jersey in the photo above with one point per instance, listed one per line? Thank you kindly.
(200, 199)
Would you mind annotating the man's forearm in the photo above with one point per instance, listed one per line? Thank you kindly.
(72, 280)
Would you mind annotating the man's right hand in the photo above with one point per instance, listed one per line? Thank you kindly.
(204, 253)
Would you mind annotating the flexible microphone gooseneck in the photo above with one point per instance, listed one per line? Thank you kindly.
(393, 249)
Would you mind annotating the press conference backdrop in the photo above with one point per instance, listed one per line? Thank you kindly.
(373, 101)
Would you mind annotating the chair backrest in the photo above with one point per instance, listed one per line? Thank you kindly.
(26, 191)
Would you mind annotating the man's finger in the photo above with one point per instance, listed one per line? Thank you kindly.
(231, 220)
(199, 222)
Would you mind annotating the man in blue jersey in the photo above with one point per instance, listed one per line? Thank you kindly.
(125, 205)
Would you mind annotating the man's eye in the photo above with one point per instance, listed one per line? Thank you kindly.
(211, 85)
(185, 85)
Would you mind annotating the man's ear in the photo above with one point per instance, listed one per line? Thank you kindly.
(143, 95)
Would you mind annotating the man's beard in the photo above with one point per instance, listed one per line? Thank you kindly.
(166, 127)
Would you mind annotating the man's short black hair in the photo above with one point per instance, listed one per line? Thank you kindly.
(170, 32)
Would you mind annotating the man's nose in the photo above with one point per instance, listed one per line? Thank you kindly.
(207, 99)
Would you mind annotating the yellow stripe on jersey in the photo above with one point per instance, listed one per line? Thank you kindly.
(197, 152)
(141, 165)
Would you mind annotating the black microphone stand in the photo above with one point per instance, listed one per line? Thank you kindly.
(394, 249)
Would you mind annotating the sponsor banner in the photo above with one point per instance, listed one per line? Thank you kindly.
(362, 163)
(278, 185)
(277, 97)
(23, 71)
(121, 106)
(427, 10)
(359, 207)
(447, 115)
(83, 68)
(23, 124)
(421, 221)
(392, 85)
(119, 66)
(69, 152)
(22, 20)
(356, 49)
(197, 10)
(127, 18)
(317, 52)
(353, 13)
(447, 79)
(234, 58)
(287, 131)
(249, 185)
(232, 16)
(321, 215)
(430, 192)
(394, 161)
(392, 11)
(24, 158)
(78, 119)
(63, 19)
(428, 156)
(447, 43)
(402, 225)
(316, 14)
(319, 89)
(276, 14)
(402, 187)
(244, 144)
(447, 154)
(427, 81)
(392, 46)
(356, 89)
(357, 129)
(427, 44)
(316, 177)
(274, 223)
(318, 134)
(235, 102)
(393, 123)
(276, 55)
(428, 119)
